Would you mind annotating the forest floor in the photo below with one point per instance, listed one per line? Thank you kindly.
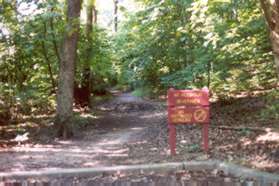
(130, 130)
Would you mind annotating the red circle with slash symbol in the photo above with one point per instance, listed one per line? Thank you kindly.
(200, 115)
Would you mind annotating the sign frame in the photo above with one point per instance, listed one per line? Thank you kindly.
(187, 107)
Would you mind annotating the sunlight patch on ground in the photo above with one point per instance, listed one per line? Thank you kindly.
(65, 142)
(86, 115)
(38, 116)
(269, 136)
(10, 128)
(18, 167)
(246, 141)
(137, 128)
(35, 149)
(89, 164)
(262, 162)
(25, 157)
(159, 114)
(111, 151)
(110, 142)
(49, 148)
(118, 155)
(225, 147)
(139, 142)
(71, 151)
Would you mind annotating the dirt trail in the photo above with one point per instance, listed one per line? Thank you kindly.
(129, 130)
(128, 98)
(119, 122)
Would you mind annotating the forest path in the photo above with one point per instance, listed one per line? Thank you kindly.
(128, 130)
(120, 121)
(128, 98)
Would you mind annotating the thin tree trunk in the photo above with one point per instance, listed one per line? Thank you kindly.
(86, 75)
(89, 29)
(95, 15)
(51, 25)
(208, 74)
(115, 15)
(276, 61)
(48, 61)
(66, 71)
(49, 66)
(54, 42)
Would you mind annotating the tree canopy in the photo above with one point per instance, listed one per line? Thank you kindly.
(186, 44)
(225, 45)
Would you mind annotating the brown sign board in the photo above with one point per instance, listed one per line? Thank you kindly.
(188, 98)
(180, 115)
(185, 107)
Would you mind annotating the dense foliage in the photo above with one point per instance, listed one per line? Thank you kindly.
(222, 44)
(31, 37)
(195, 43)
(29, 51)
(101, 63)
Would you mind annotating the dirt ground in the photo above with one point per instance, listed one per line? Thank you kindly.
(130, 130)
(172, 178)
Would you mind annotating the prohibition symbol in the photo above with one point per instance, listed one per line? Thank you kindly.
(200, 115)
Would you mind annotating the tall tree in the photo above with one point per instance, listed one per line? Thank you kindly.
(95, 13)
(67, 69)
(115, 20)
(271, 13)
(86, 75)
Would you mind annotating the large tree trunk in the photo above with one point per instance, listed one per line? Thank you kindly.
(271, 13)
(67, 69)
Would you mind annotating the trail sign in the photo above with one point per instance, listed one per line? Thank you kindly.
(188, 97)
(186, 115)
(186, 107)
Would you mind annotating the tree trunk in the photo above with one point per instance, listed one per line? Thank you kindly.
(276, 60)
(115, 15)
(44, 48)
(67, 69)
(86, 75)
(89, 29)
(271, 14)
(54, 40)
(95, 15)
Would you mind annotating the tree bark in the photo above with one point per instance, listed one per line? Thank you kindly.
(271, 14)
(86, 75)
(276, 61)
(95, 15)
(67, 69)
(115, 15)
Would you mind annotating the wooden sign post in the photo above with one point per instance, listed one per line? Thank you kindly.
(185, 107)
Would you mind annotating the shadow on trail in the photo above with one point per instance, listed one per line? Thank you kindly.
(113, 125)
(130, 130)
